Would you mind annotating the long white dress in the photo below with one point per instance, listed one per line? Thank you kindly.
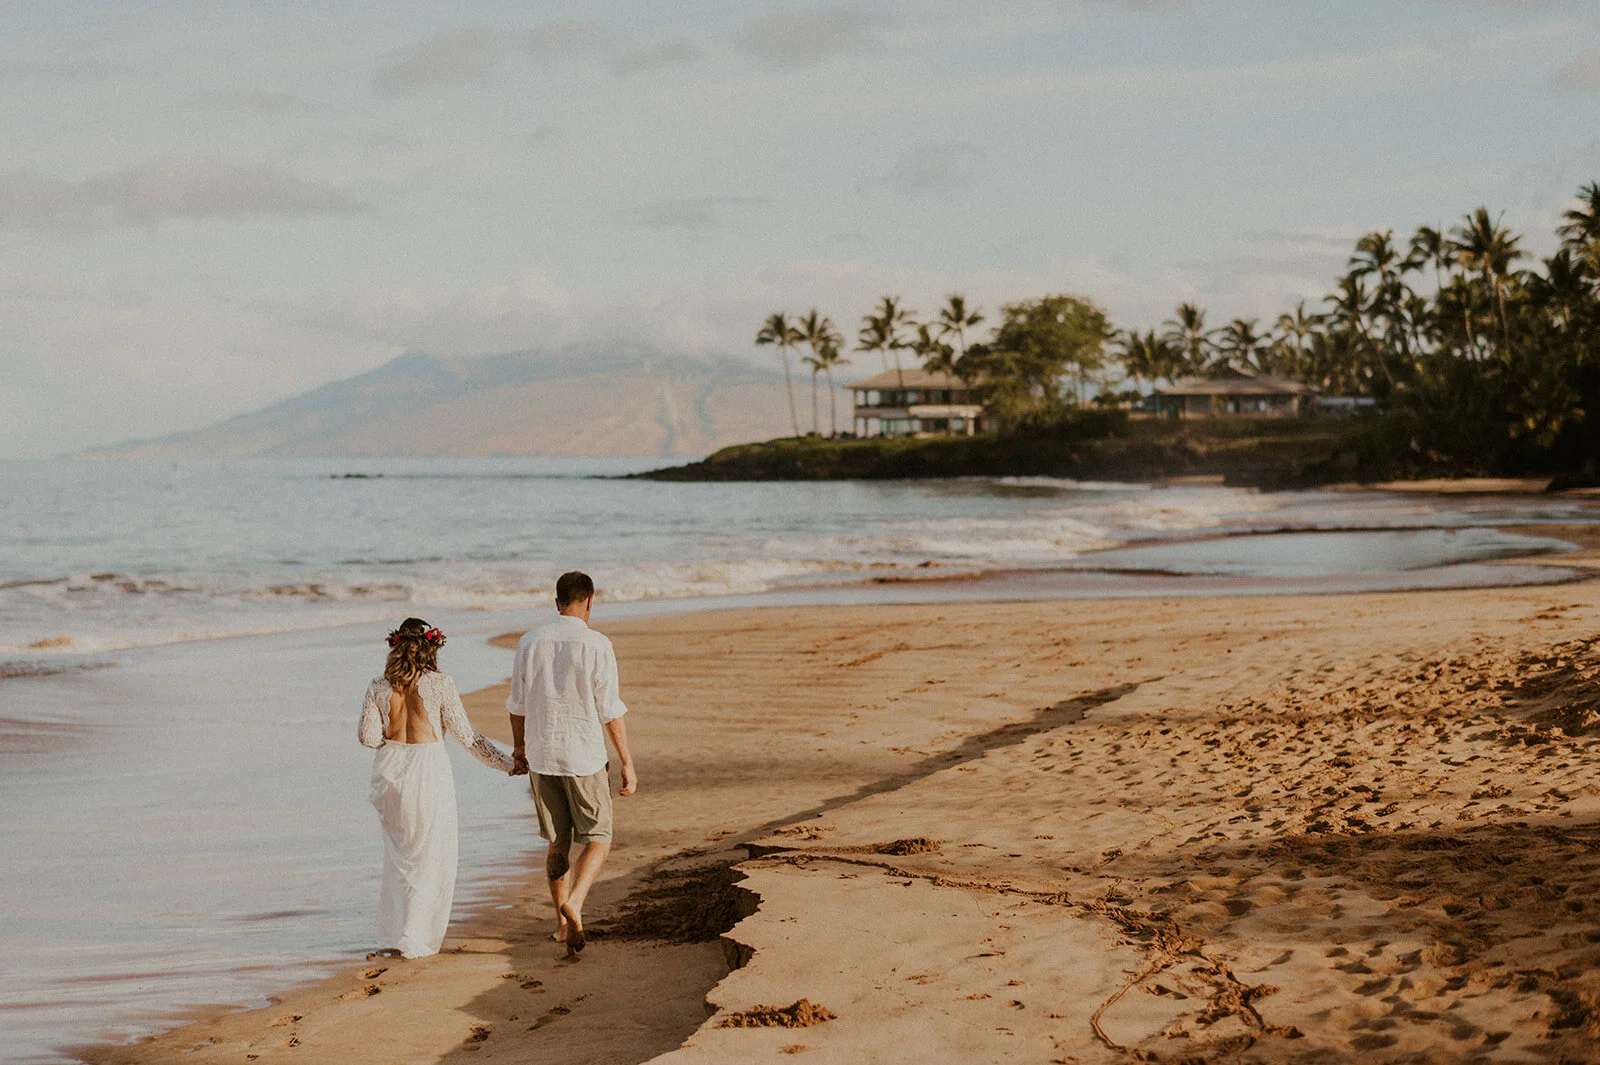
(414, 792)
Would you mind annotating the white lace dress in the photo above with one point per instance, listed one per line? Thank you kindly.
(414, 792)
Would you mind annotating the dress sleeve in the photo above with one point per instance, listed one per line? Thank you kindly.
(371, 730)
(456, 723)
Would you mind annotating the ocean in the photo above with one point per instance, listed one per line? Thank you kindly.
(184, 645)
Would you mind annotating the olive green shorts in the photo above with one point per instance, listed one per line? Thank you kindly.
(573, 808)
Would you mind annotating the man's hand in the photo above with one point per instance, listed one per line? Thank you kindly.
(519, 764)
(630, 780)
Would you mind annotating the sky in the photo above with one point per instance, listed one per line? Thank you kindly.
(209, 206)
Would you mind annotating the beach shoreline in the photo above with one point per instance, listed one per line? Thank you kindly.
(904, 723)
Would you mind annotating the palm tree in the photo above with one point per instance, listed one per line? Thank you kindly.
(1486, 246)
(882, 332)
(816, 332)
(1138, 356)
(1430, 245)
(778, 330)
(1188, 333)
(826, 357)
(936, 355)
(1581, 225)
(1563, 287)
(955, 317)
(1241, 341)
(1294, 327)
(1351, 310)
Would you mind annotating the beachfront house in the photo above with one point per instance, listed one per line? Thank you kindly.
(915, 403)
(1234, 393)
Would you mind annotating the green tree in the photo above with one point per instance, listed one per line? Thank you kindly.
(818, 332)
(955, 318)
(1240, 344)
(885, 333)
(781, 333)
(1484, 245)
(1187, 332)
(1036, 345)
(1580, 228)
(928, 345)
(825, 358)
(1295, 329)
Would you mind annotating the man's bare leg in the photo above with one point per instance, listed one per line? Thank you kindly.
(560, 874)
(584, 873)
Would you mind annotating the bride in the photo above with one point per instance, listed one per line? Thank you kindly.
(405, 713)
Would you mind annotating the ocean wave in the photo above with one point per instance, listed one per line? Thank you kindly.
(1069, 484)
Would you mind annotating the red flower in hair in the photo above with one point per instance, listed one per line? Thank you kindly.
(433, 636)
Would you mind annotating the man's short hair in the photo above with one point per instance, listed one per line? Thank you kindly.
(573, 587)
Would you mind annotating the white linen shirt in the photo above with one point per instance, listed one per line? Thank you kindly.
(564, 682)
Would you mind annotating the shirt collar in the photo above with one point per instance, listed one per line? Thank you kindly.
(569, 617)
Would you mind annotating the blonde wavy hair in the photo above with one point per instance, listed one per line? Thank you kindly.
(413, 651)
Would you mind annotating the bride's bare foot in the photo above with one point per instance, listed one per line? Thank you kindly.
(574, 922)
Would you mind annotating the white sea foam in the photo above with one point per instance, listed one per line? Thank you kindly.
(370, 549)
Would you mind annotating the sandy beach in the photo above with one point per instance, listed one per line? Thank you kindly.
(1314, 829)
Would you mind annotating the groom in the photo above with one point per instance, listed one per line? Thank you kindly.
(563, 704)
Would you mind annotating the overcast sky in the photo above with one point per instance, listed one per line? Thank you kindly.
(208, 206)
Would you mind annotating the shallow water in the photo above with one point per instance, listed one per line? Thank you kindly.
(182, 800)
(105, 557)
(207, 834)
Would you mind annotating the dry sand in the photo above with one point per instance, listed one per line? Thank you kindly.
(1322, 829)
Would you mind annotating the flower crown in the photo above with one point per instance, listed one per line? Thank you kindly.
(433, 636)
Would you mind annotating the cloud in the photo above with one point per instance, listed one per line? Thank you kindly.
(935, 169)
(242, 101)
(1582, 74)
(1146, 5)
(445, 61)
(32, 287)
(656, 56)
(527, 311)
(708, 315)
(785, 38)
(163, 189)
(695, 214)
(564, 36)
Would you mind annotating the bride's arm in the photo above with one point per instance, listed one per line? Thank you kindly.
(457, 724)
(371, 731)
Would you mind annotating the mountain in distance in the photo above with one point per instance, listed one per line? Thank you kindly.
(522, 403)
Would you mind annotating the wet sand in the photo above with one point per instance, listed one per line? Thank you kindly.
(1313, 829)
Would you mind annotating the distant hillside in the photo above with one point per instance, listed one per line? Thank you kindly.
(515, 404)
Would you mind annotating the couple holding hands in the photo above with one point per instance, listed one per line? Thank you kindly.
(563, 703)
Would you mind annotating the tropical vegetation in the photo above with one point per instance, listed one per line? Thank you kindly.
(1473, 356)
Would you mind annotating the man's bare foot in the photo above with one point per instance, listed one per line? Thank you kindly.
(560, 934)
(575, 940)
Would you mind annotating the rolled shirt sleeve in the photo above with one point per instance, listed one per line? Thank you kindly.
(607, 694)
(515, 696)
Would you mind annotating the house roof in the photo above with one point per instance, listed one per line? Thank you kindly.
(913, 378)
(1233, 382)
